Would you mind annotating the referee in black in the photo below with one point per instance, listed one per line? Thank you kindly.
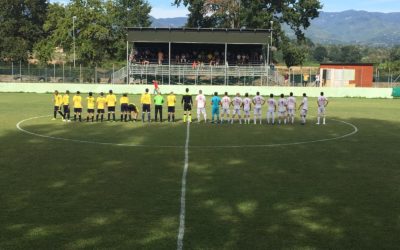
(187, 102)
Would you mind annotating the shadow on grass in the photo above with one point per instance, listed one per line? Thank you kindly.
(68, 195)
(332, 195)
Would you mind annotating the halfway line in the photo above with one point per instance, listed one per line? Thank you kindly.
(181, 232)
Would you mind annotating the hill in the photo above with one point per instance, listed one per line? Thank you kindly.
(347, 27)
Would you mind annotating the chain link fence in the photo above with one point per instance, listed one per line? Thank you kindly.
(54, 73)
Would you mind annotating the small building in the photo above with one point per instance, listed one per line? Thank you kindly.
(347, 74)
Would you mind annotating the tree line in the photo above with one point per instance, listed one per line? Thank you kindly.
(34, 28)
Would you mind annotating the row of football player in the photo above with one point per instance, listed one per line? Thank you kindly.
(286, 107)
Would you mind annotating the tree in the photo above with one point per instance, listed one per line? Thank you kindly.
(320, 53)
(21, 26)
(351, 54)
(99, 32)
(127, 13)
(394, 53)
(293, 54)
(297, 14)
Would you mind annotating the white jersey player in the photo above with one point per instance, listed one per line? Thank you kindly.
(226, 104)
(322, 102)
(304, 109)
(201, 106)
(291, 107)
(271, 109)
(258, 101)
(237, 103)
(282, 106)
(246, 108)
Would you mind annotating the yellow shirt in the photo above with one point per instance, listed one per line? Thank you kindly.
(101, 101)
(146, 98)
(171, 100)
(65, 99)
(58, 100)
(124, 100)
(90, 102)
(111, 100)
(77, 101)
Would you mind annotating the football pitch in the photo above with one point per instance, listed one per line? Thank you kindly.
(117, 185)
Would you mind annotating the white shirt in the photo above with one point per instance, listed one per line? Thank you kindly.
(258, 100)
(291, 102)
(305, 103)
(201, 101)
(237, 101)
(271, 104)
(282, 104)
(322, 101)
(226, 102)
(246, 103)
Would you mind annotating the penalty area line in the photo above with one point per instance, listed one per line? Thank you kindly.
(181, 232)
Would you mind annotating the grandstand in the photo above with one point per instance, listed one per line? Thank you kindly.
(198, 56)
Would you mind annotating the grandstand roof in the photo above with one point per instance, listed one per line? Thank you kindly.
(200, 35)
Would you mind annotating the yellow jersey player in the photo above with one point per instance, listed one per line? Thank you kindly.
(90, 107)
(101, 102)
(57, 100)
(77, 100)
(171, 101)
(133, 112)
(145, 100)
(124, 101)
(111, 100)
(65, 101)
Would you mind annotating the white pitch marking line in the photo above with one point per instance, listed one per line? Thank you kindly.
(355, 130)
(181, 232)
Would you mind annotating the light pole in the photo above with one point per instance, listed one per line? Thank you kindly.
(270, 43)
(73, 36)
(268, 50)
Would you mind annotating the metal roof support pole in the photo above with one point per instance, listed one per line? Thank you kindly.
(169, 63)
(127, 61)
(226, 63)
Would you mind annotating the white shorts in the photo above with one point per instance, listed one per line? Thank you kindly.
(201, 111)
(303, 112)
(282, 113)
(321, 110)
(271, 111)
(291, 112)
(257, 110)
(236, 111)
(226, 111)
(246, 112)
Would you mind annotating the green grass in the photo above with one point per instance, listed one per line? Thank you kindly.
(341, 194)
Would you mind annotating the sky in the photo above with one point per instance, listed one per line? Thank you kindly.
(164, 9)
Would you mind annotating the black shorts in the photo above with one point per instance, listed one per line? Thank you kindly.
(77, 110)
(171, 109)
(56, 108)
(100, 111)
(90, 111)
(66, 108)
(146, 108)
(187, 107)
(111, 109)
(132, 108)
(124, 107)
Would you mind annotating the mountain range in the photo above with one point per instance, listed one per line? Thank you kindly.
(347, 27)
